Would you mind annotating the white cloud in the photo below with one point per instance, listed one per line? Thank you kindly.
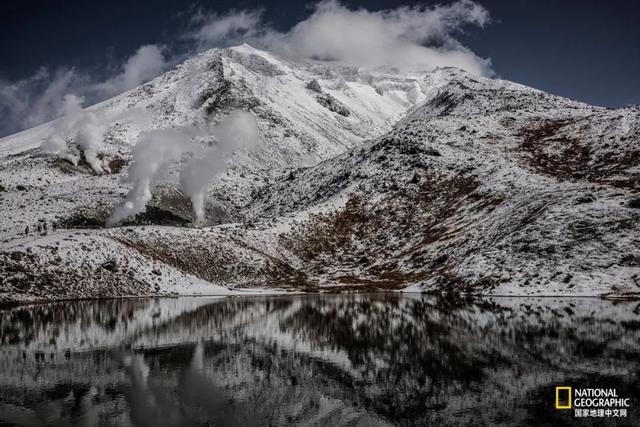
(38, 98)
(147, 63)
(230, 28)
(41, 97)
(419, 37)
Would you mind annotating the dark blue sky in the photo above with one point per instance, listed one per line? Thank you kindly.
(584, 49)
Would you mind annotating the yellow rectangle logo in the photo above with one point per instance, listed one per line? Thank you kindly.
(563, 397)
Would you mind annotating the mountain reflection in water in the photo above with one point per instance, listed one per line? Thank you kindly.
(382, 359)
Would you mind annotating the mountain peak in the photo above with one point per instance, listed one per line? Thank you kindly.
(247, 48)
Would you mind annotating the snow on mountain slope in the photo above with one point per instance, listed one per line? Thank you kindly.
(295, 129)
(476, 185)
(488, 186)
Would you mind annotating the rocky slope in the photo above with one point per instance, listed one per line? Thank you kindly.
(361, 180)
(488, 186)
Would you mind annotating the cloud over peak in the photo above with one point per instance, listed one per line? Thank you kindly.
(234, 26)
(407, 38)
(413, 38)
(416, 38)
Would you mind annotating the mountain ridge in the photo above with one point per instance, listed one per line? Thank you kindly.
(449, 182)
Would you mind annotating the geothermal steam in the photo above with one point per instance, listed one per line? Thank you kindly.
(89, 139)
(152, 157)
(158, 150)
(80, 125)
(234, 134)
(71, 110)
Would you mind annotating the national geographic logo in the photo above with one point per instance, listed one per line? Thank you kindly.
(592, 402)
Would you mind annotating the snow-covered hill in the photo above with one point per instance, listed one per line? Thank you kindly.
(488, 186)
(295, 128)
(360, 180)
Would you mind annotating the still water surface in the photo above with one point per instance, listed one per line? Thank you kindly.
(369, 360)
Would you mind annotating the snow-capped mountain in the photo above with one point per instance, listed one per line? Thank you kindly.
(360, 180)
(488, 186)
(296, 125)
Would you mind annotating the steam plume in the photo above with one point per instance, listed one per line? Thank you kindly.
(158, 150)
(152, 156)
(89, 139)
(235, 133)
(80, 125)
